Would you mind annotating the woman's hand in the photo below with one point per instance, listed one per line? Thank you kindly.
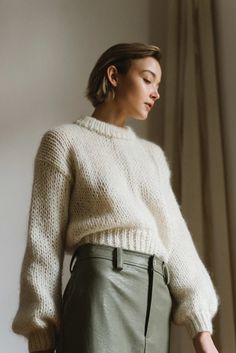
(203, 343)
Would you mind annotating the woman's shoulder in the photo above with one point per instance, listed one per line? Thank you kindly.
(64, 130)
(57, 144)
(158, 154)
(152, 146)
(62, 136)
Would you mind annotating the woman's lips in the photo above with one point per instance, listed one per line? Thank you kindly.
(148, 105)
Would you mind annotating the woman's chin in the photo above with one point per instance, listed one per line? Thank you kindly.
(139, 116)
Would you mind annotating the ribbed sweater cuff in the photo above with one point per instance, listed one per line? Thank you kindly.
(198, 323)
(41, 340)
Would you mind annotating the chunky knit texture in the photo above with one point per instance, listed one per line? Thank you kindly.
(95, 182)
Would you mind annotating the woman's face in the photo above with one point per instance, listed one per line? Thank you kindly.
(137, 91)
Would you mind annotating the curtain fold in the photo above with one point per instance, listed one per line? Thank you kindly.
(192, 140)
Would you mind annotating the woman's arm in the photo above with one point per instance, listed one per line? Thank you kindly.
(203, 343)
(38, 315)
(195, 298)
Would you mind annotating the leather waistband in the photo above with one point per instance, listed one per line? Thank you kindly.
(120, 256)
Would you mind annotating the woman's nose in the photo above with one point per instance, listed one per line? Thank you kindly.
(155, 95)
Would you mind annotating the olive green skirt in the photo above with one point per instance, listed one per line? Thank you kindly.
(116, 301)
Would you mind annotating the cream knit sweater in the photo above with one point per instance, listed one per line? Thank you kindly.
(99, 183)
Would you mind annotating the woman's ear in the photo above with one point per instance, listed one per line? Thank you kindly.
(112, 75)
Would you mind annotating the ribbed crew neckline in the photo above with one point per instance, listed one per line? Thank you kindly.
(105, 128)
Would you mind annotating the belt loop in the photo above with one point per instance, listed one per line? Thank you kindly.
(166, 272)
(72, 261)
(119, 258)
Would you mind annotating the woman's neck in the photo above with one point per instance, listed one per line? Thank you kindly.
(108, 112)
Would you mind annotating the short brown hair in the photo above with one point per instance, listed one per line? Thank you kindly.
(120, 55)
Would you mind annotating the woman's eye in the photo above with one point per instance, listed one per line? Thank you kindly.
(146, 80)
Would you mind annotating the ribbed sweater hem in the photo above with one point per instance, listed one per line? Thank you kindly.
(198, 323)
(142, 240)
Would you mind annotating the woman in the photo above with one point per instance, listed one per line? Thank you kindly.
(104, 194)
